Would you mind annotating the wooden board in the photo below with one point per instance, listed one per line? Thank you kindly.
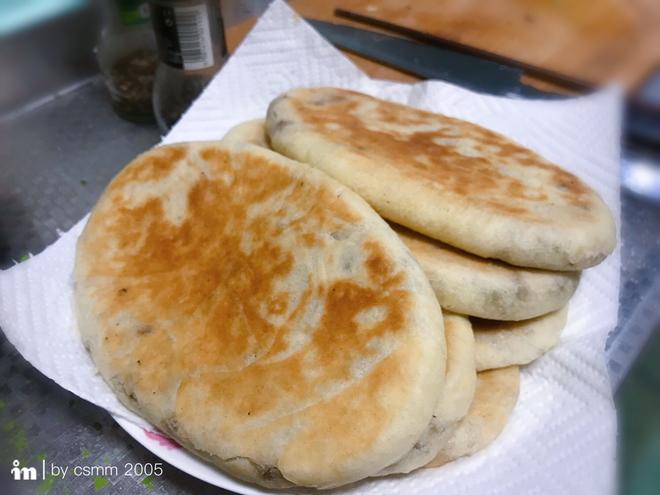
(595, 40)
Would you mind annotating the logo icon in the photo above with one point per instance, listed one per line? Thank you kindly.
(23, 473)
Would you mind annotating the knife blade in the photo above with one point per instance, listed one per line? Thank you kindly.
(469, 71)
(429, 62)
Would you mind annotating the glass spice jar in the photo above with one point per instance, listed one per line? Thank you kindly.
(127, 56)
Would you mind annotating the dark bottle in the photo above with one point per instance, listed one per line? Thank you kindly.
(191, 47)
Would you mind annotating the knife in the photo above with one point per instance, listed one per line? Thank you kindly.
(469, 71)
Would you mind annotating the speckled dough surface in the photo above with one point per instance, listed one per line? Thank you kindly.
(494, 399)
(465, 283)
(505, 343)
(456, 398)
(446, 178)
(488, 288)
(260, 313)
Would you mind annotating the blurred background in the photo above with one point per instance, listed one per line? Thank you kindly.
(86, 85)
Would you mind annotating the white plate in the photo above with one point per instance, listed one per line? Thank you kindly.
(177, 456)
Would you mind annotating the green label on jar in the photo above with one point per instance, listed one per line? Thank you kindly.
(133, 11)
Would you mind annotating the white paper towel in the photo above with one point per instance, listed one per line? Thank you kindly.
(561, 438)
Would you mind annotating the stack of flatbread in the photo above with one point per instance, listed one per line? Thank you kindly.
(343, 290)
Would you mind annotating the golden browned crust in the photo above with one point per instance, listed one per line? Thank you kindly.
(434, 155)
(260, 313)
(465, 283)
(445, 177)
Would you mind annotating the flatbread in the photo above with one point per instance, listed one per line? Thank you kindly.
(494, 399)
(260, 313)
(504, 343)
(488, 288)
(457, 395)
(461, 378)
(252, 131)
(465, 283)
(446, 178)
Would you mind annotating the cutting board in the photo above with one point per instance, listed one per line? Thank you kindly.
(594, 40)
